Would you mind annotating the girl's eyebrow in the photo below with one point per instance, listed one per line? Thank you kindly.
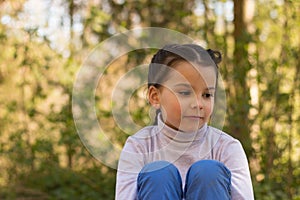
(210, 88)
(183, 84)
(189, 86)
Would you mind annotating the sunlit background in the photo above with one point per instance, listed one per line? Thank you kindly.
(44, 43)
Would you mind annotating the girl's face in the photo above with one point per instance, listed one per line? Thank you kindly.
(186, 98)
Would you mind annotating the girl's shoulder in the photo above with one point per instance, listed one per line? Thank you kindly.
(225, 148)
(221, 135)
(227, 144)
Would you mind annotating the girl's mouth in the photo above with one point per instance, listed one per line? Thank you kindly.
(194, 117)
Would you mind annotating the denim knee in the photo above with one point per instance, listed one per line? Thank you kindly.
(208, 178)
(160, 172)
(158, 165)
(159, 180)
(209, 170)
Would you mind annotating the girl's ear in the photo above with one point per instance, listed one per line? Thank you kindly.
(154, 97)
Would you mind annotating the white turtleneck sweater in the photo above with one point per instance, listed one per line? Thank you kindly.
(161, 142)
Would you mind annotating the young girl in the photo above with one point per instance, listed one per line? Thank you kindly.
(181, 157)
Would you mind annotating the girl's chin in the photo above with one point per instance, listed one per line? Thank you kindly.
(188, 129)
(187, 125)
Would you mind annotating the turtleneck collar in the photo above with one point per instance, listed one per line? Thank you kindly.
(180, 136)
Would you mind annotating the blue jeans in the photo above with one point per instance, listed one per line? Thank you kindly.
(205, 180)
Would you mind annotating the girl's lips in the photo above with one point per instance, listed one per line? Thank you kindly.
(194, 117)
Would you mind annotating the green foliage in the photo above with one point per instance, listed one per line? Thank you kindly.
(42, 156)
(64, 184)
(53, 182)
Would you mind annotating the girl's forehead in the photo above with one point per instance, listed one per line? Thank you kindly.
(185, 72)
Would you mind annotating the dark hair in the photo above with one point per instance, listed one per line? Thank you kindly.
(171, 54)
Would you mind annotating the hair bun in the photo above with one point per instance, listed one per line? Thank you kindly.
(215, 55)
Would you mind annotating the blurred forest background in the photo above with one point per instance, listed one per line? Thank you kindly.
(44, 43)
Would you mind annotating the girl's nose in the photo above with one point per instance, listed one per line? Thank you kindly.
(197, 103)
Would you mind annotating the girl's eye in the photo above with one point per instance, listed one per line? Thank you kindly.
(184, 93)
(208, 95)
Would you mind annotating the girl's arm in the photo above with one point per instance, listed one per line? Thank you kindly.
(235, 160)
(130, 163)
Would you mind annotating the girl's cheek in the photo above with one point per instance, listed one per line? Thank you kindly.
(179, 107)
(183, 104)
(211, 108)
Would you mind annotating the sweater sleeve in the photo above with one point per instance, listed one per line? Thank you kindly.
(235, 160)
(130, 163)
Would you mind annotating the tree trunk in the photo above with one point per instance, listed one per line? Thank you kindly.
(240, 95)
